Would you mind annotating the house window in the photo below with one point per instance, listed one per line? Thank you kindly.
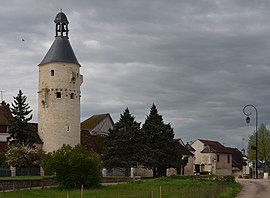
(217, 158)
(52, 72)
(3, 129)
(58, 94)
(72, 96)
(228, 159)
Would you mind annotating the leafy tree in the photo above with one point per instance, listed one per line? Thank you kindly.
(263, 145)
(124, 143)
(160, 152)
(73, 166)
(19, 131)
(24, 155)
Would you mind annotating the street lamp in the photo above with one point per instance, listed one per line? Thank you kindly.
(256, 133)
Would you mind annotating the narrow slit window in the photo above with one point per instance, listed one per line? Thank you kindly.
(228, 159)
(217, 158)
(72, 96)
(58, 94)
(52, 72)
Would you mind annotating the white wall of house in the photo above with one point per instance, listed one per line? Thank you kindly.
(3, 137)
(215, 163)
(189, 168)
(198, 146)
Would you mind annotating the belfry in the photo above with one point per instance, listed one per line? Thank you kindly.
(59, 91)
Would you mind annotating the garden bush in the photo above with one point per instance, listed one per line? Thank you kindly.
(73, 167)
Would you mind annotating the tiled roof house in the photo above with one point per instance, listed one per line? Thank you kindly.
(185, 152)
(238, 161)
(5, 122)
(212, 157)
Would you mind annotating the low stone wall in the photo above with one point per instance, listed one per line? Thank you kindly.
(21, 184)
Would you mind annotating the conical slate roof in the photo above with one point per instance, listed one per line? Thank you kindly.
(60, 51)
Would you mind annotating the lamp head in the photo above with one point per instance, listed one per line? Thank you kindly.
(248, 120)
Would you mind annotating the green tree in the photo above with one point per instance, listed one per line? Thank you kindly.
(24, 155)
(263, 145)
(73, 166)
(3, 160)
(19, 133)
(160, 152)
(124, 143)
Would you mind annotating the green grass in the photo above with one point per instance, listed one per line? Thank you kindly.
(170, 187)
(24, 178)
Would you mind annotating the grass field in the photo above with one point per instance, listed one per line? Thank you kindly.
(23, 178)
(170, 187)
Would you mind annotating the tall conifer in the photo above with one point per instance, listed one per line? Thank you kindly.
(160, 147)
(19, 131)
(123, 143)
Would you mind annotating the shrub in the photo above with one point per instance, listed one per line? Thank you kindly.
(24, 155)
(73, 167)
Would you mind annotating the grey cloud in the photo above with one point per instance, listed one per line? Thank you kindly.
(200, 62)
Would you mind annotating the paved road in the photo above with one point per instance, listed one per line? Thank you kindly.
(254, 188)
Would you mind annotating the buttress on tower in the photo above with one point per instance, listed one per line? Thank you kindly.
(59, 91)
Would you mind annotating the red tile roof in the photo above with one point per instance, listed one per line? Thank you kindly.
(214, 147)
(182, 149)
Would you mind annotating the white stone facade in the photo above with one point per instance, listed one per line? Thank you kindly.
(59, 104)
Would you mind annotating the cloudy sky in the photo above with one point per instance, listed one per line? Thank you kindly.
(200, 62)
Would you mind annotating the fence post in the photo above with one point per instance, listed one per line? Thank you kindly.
(13, 171)
(82, 191)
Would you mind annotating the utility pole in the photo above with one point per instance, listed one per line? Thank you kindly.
(2, 95)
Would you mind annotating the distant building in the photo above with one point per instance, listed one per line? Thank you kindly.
(186, 155)
(5, 122)
(59, 91)
(238, 162)
(94, 131)
(98, 124)
(190, 167)
(212, 157)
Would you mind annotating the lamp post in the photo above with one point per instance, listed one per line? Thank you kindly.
(256, 133)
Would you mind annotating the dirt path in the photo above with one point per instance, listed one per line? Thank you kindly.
(254, 188)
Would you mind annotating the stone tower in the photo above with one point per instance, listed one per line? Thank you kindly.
(59, 91)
